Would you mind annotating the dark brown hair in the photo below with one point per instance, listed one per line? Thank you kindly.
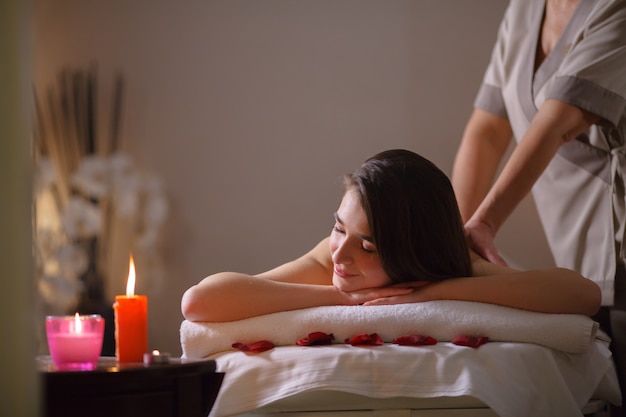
(413, 217)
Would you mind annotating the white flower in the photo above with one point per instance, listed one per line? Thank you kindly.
(47, 245)
(157, 208)
(126, 185)
(60, 293)
(126, 195)
(81, 219)
(73, 261)
(121, 166)
(93, 177)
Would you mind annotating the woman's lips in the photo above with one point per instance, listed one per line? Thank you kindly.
(342, 273)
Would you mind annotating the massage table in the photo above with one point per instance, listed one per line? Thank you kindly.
(534, 364)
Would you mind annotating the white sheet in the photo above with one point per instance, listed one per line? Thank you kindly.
(442, 320)
(514, 379)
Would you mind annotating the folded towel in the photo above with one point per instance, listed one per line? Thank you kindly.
(443, 320)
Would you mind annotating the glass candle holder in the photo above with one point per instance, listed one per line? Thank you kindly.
(75, 342)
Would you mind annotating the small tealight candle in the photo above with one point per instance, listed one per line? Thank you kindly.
(131, 322)
(156, 358)
(75, 342)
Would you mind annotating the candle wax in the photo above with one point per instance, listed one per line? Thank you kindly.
(75, 348)
(131, 327)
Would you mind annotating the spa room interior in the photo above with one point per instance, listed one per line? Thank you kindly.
(231, 124)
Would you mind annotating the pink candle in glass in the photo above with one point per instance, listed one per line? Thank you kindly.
(75, 342)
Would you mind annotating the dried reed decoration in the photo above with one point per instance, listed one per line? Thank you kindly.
(67, 131)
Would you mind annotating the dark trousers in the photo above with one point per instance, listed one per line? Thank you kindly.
(612, 321)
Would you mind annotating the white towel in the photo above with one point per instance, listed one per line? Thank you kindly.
(442, 320)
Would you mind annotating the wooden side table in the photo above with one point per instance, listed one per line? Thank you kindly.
(182, 388)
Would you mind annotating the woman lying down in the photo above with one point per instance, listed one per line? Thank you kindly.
(397, 238)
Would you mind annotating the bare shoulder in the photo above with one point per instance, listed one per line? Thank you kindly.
(482, 267)
(321, 254)
(314, 267)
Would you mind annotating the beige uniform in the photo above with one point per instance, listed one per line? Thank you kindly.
(580, 197)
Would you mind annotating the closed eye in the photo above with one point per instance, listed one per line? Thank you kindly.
(338, 224)
(337, 229)
(367, 240)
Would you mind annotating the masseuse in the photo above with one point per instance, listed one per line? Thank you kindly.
(397, 238)
(557, 83)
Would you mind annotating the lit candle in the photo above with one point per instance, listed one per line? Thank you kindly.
(75, 342)
(131, 322)
(156, 358)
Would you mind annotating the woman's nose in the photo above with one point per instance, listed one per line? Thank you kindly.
(342, 253)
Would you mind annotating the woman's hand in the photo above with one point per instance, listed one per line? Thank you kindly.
(367, 295)
(417, 294)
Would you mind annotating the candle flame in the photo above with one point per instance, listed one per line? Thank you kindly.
(130, 284)
(78, 325)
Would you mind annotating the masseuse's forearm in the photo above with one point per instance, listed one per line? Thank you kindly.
(485, 140)
(555, 123)
(231, 296)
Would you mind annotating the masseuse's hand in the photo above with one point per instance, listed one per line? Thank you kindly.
(480, 237)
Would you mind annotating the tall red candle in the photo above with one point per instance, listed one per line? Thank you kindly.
(131, 322)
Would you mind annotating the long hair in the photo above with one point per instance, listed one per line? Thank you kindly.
(413, 216)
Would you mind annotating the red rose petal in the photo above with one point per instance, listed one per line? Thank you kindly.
(470, 341)
(414, 340)
(365, 339)
(316, 338)
(256, 347)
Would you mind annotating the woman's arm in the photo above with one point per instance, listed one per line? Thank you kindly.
(229, 296)
(302, 283)
(551, 290)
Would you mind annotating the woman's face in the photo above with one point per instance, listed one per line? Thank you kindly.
(355, 258)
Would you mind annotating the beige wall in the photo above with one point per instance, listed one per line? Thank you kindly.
(251, 110)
